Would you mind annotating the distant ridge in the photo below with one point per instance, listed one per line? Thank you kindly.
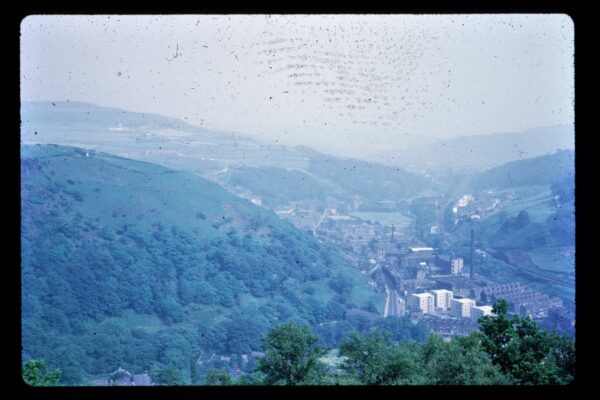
(468, 154)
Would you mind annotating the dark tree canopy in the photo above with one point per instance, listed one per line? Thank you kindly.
(35, 373)
(291, 355)
(525, 352)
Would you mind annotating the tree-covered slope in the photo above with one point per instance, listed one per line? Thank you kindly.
(372, 182)
(130, 264)
(277, 186)
(546, 217)
(544, 170)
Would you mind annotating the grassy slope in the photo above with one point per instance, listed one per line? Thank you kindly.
(130, 225)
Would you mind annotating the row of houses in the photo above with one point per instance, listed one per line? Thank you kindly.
(521, 299)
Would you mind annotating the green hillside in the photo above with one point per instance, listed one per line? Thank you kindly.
(532, 238)
(543, 170)
(372, 182)
(277, 174)
(279, 186)
(541, 213)
(130, 264)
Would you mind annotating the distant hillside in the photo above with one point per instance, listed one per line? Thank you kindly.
(148, 137)
(74, 115)
(333, 178)
(532, 237)
(277, 186)
(468, 154)
(544, 170)
(373, 182)
(541, 214)
(131, 264)
(276, 174)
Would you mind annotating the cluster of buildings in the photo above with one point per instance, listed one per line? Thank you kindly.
(487, 202)
(442, 302)
(441, 289)
(122, 377)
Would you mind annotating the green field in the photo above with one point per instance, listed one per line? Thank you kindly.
(384, 218)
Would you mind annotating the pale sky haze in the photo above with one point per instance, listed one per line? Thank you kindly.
(326, 81)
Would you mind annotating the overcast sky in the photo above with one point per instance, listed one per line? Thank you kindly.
(322, 81)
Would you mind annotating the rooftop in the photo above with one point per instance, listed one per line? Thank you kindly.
(422, 294)
(421, 249)
(464, 300)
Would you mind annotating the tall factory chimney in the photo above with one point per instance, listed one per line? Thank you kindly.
(472, 269)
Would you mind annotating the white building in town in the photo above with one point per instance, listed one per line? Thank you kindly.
(422, 251)
(422, 301)
(465, 200)
(480, 311)
(457, 265)
(461, 308)
(443, 298)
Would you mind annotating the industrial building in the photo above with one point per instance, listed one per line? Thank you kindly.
(417, 255)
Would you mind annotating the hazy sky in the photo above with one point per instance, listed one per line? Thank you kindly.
(342, 81)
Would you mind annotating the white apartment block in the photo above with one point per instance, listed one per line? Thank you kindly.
(457, 266)
(443, 298)
(422, 301)
(480, 311)
(461, 308)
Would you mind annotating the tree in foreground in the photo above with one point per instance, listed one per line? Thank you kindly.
(35, 373)
(218, 377)
(377, 360)
(168, 376)
(526, 352)
(461, 361)
(291, 356)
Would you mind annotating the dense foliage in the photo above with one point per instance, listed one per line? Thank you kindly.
(130, 264)
(398, 328)
(35, 373)
(278, 186)
(376, 360)
(526, 353)
(372, 182)
(505, 351)
(168, 376)
(292, 356)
